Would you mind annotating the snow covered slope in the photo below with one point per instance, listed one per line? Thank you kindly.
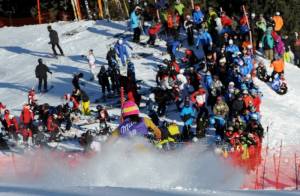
(20, 47)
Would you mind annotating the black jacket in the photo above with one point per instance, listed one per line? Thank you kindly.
(41, 71)
(53, 37)
(84, 96)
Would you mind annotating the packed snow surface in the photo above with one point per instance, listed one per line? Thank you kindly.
(191, 170)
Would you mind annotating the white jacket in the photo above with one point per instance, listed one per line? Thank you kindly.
(182, 79)
(92, 60)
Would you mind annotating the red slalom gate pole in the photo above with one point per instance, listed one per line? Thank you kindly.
(278, 166)
(296, 171)
(248, 24)
(264, 168)
(275, 168)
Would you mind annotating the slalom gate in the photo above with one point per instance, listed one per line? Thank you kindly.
(268, 168)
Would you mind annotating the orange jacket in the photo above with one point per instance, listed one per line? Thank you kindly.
(173, 21)
(278, 23)
(278, 65)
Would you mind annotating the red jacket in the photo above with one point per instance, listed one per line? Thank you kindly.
(26, 115)
(256, 103)
(247, 99)
(226, 21)
(154, 29)
(7, 120)
(51, 124)
(199, 92)
(14, 122)
(176, 66)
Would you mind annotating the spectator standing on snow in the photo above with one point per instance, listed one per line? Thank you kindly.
(41, 71)
(135, 23)
(54, 41)
(92, 64)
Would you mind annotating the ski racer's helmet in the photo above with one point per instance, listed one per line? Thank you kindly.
(130, 108)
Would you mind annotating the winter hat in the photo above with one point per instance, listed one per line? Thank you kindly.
(80, 75)
(120, 41)
(137, 8)
(129, 108)
(277, 13)
(230, 42)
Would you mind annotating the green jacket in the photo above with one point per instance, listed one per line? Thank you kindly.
(179, 8)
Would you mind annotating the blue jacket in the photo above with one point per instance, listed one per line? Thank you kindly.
(232, 48)
(204, 38)
(173, 45)
(122, 52)
(198, 17)
(188, 114)
(276, 84)
(134, 20)
(208, 81)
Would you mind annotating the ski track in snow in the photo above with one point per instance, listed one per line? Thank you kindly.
(20, 48)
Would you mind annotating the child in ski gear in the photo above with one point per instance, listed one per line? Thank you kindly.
(121, 51)
(54, 41)
(75, 80)
(103, 80)
(52, 126)
(133, 125)
(41, 71)
(85, 103)
(32, 99)
(92, 64)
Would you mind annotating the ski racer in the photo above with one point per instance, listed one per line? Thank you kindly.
(134, 125)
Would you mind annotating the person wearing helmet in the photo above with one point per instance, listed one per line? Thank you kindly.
(232, 48)
(52, 126)
(134, 125)
(121, 50)
(27, 116)
(41, 71)
(13, 128)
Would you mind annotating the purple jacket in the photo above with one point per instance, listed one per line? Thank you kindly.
(128, 128)
(279, 46)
